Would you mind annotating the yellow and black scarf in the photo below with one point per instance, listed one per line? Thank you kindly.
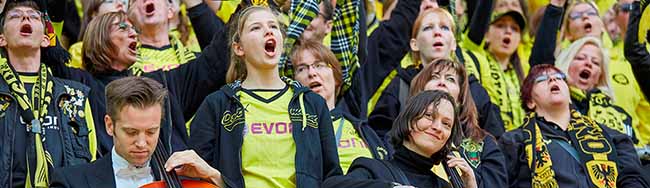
(600, 107)
(503, 88)
(593, 145)
(34, 109)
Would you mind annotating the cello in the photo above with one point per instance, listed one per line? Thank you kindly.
(170, 179)
(452, 173)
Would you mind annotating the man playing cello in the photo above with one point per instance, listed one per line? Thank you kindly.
(134, 115)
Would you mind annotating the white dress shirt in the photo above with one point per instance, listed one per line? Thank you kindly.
(129, 176)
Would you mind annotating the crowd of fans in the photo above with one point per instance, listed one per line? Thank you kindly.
(325, 93)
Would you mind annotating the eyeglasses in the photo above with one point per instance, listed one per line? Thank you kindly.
(123, 26)
(625, 7)
(31, 14)
(319, 66)
(579, 14)
(555, 76)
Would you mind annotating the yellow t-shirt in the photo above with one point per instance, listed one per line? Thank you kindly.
(268, 152)
(350, 146)
(151, 59)
(628, 94)
(75, 55)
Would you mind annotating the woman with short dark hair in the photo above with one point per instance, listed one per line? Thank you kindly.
(477, 146)
(422, 136)
(570, 149)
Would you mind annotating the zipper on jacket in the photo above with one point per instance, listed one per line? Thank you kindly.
(13, 145)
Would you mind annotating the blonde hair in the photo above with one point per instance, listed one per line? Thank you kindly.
(237, 68)
(565, 59)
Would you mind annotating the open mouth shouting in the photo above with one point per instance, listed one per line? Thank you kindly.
(149, 9)
(26, 30)
(269, 47)
(315, 86)
(506, 41)
(133, 47)
(584, 75)
(438, 45)
(588, 27)
(555, 89)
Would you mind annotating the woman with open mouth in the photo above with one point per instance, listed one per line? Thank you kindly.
(316, 67)
(432, 37)
(501, 65)
(263, 130)
(582, 21)
(559, 147)
(586, 63)
(423, 136)
(109, 50)
(477, 147)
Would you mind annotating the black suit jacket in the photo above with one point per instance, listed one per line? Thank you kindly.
(98, 174)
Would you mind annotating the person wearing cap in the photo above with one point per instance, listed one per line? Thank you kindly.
(503, 66)
(46, 121)
(623, 91)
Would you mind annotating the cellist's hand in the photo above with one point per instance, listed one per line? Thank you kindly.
(467, 173)
(188, 163)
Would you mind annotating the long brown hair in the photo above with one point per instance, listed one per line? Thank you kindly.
(97, 46)
(237, 68)
(468, 114)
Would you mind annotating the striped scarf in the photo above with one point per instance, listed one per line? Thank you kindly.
(344, 36)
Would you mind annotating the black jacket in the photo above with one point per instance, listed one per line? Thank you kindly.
(636, 53)
(219, 122)
(568, 171)
(98, 174)
(188, 85)
(406, 168)
(544, 49)
(491, 171)
(376, 145)
(74, 148)
(387, 45)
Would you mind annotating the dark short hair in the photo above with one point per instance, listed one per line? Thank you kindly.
(139, 92)
(12, 5)
(415, 108)
(529, 82)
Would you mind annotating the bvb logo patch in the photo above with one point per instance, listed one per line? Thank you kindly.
(621, 79)
(230, 120)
